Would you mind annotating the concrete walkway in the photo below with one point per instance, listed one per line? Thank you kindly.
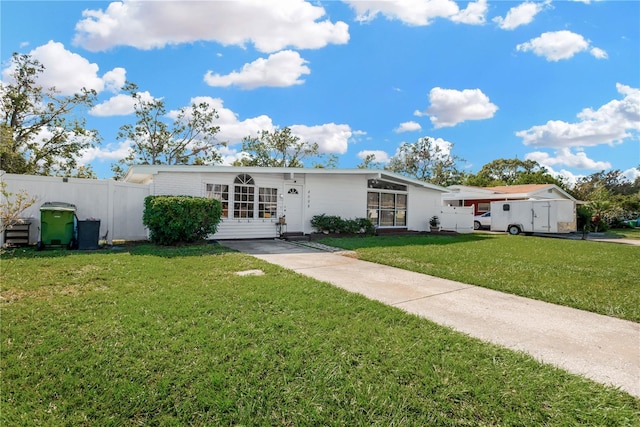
(604, 349)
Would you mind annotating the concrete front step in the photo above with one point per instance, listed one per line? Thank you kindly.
(296, 237)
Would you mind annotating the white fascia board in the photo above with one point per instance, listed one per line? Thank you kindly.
(467, 189)
(555, 188)
(144, 173)
(477, 196)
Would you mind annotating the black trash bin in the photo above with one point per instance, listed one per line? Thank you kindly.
(88, 234)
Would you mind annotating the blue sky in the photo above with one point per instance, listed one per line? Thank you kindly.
(555, 81)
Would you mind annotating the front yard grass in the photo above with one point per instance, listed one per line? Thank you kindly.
(594, 276)
(625, 233)
(153, 336)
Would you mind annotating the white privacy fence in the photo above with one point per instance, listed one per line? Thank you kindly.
(457, 218)
(118, 205)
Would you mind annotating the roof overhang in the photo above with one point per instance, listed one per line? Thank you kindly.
(143, 174)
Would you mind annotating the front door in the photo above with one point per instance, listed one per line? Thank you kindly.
(293, 199)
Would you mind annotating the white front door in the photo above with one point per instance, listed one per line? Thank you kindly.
(293, 199)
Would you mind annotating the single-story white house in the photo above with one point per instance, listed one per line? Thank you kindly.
(255, 198)
(481, 197)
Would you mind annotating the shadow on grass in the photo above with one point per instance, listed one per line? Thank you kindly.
(133, 248)
(403, 240)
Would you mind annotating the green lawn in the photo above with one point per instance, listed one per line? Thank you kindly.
(594, 276)
(626, 233)
(146, 336)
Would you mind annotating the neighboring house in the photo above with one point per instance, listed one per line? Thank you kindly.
(481, 197)
(254, 198)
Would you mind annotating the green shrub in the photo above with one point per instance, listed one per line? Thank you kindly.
(583, 218)
(335, 224)
(180, 219)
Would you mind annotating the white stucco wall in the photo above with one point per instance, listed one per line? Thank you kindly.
(422, 205)
(340, 195)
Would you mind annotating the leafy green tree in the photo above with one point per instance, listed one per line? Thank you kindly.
(42, 132)
(426, 161)
(279, 148)
(10, 160)
(188, 138)
(613, 182)
(611, 196)
(512, 172)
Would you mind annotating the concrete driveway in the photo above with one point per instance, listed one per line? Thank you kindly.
(604, 349)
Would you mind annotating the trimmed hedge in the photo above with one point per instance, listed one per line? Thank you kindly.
(335, 224)
(180, 219)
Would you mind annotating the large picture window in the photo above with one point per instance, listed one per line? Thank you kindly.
(250, 201)
(387, 209)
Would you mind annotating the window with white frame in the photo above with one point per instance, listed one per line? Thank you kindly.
(221, 193)
(267, 202)
(243, 196)
(387, 208)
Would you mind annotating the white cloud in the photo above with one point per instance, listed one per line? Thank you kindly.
(419, 12)
(557, 45)
(408, 127)
(611, 123)
(444, 146)
(378, 155)
(598, 53)
(115, 79)
(230, 155)
(270, 26)
(567, 176)
(278, 70)
(69, 72)
(232, 129)
(110, 152)
(520, 15)
(631, 174)
(564, 157)
(330, 137)
(119, 105)
(450, 107)
(474, 14)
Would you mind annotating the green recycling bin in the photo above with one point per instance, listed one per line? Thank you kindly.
(57, 225)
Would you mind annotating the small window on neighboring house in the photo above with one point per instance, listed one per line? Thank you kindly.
(484, 207)
(293, 191)
(220, 193)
